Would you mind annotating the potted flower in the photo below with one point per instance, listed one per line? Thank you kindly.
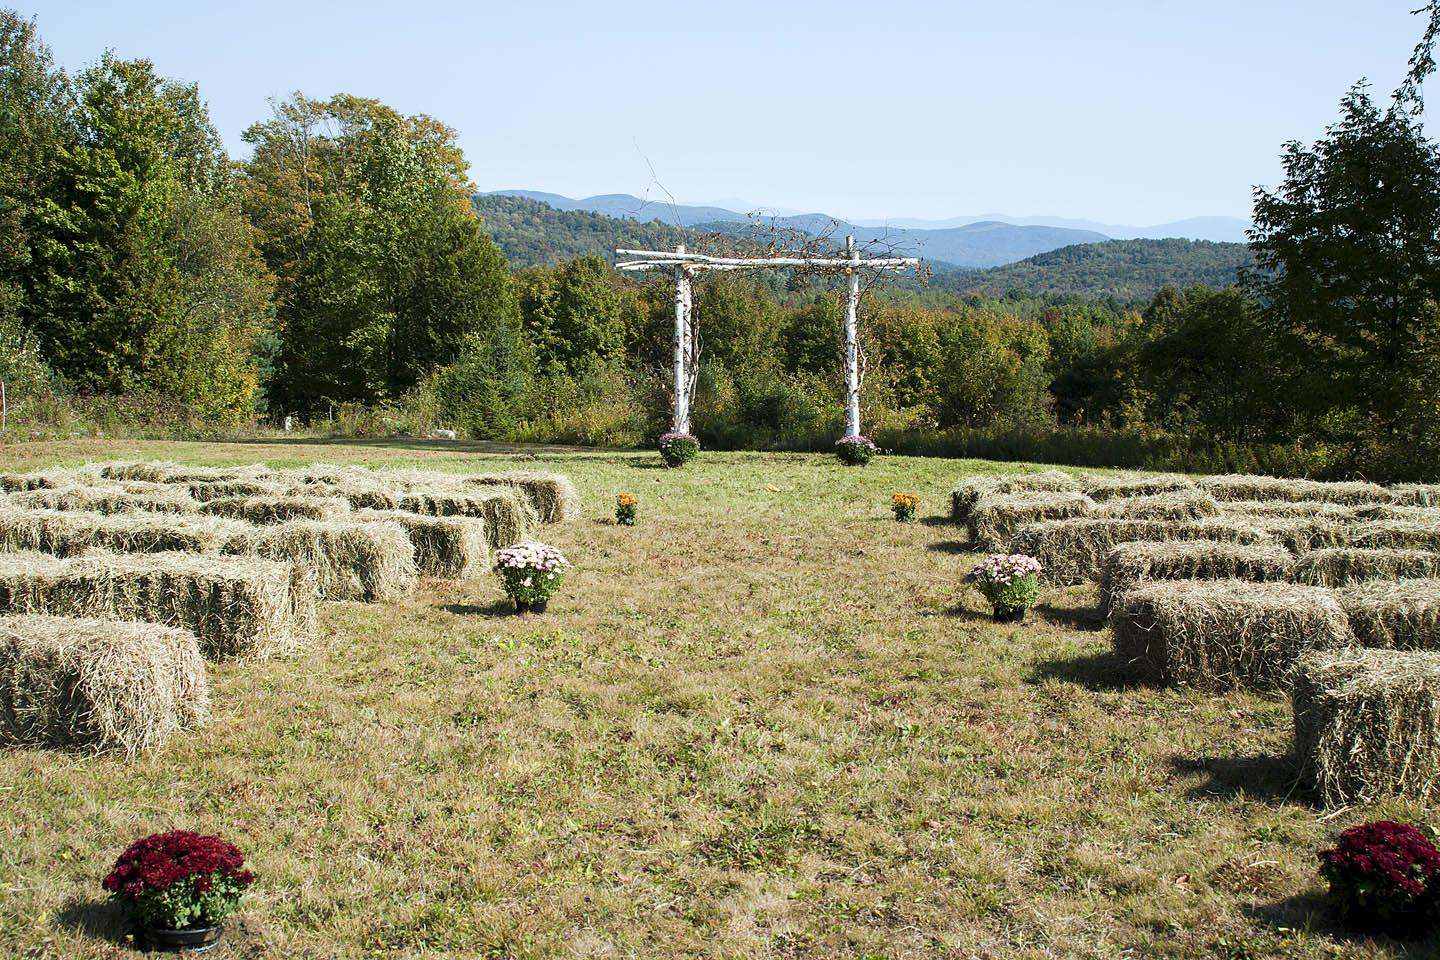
(1384, 877)
(530, 572)
(904, 505)
(1011, 582)
(626, 508)
(855, 450)
(180, 887)
(678, 449)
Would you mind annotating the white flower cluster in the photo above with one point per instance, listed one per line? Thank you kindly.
(530, 555)
(1001, 569)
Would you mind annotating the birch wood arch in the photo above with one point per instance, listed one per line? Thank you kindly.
(686, 266)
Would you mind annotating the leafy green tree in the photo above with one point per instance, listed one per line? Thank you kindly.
(991, 371)
(1348, 254)
(578, 315)
(385, 271)
(142, 275)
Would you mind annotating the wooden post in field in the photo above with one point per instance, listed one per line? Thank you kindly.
(852, 341)
(680, 413)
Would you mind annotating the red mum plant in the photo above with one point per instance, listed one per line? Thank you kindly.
(1384, 876)
(180, 880)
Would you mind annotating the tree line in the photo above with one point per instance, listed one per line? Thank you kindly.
(342, 271)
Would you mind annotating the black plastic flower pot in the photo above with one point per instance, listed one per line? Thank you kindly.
(536, 606)
(193, 940)
(1008, 614)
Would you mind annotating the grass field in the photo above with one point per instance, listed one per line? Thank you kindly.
(766, 722)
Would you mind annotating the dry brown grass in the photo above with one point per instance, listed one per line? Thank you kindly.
(1395, 614)
(1073, 551)
(1224, 634)
(238, 608)
(1339, 566)
(1396, 535)
(1132, 563)
(1367, 725)
(84, 684)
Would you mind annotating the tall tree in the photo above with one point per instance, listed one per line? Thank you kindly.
(142, 273)
(384, 269)
(1348, 254)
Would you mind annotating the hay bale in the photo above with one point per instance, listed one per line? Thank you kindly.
(1299, 535)
(452, 548)
(969, 491)
(507, 514)
(165, 471)
(996, 517)
(68, 533)
(552, 496)
(1340, 566)
(1394, 614)
(1367, 725)
(1129, 564)
(1073, 551)
(237, 607)
(107, 500)
(206, 490)
(1237, 486)
(1417, 494)
(1172, 505)
(1292, 510)
(1102, 489)
(1225, 634)
(1398, 511)
(349, 559)
(268, 510)
(1396, 535)
(98, 684)
(47, 480)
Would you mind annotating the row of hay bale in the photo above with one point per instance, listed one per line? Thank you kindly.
(1329, 590)
(118, 581)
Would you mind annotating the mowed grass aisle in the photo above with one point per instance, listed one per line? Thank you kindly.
(765, 722)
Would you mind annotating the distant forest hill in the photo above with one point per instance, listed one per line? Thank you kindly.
(534, 233)
(1124, 270)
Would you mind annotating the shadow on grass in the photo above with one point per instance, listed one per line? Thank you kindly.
(96, 919)
(1095, 671)
(1261, 776)
(962, 612)
(519, 450)
(1311, 912)
(499, 608)
(1076, 618)
(938, 520)
(949, 546)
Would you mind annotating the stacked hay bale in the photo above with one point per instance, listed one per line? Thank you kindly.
(276, 509)
(1225, 634)
(106, 499)
(1102, 489)
(1188, 504)
(447, 547)
(1396, 535)
(1340, 566)
(92, 684)
(68, 533)
(350, 559)
(1394, 614)
(1130, 564)
(552, 496)
(1367, 725)
(1417, 494)
(1074, 551)
(995, 517)
(1236, 486)
(237, 607)
(968, 492)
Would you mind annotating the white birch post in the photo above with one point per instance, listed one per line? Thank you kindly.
(680, 414)
(852, 342)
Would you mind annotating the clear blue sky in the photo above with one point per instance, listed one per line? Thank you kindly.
(1126, 111)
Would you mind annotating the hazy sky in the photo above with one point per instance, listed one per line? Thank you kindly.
(1125, 111)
